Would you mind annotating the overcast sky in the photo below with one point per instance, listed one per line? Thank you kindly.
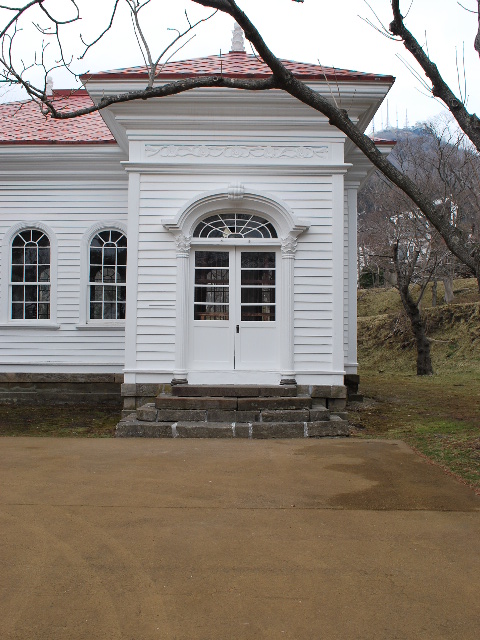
(318, 31)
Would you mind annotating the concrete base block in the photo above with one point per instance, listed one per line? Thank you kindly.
(319, 414)
(203, 430)
(327, 391)
(300, 415)
(328, 428)
(174, 402)
(265, 404)
(148, 413)
(176, 415)
(262, 430)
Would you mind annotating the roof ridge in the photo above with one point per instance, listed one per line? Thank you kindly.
(238, 64)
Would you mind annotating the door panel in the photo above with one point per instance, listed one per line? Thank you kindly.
(212, 334)
(256, 341)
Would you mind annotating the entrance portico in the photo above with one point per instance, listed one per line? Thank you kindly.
(241, 231)
(235, 284)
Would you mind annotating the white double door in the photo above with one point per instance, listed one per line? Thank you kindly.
(234, 311)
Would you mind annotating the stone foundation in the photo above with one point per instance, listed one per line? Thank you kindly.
(60, 388)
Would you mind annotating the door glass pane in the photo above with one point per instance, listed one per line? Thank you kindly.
(211, 276)
(259, 295)
(258, 260)
(212, 279)
(258, 286)
(262, 313)
(258, 276)
(211, 258)
(211, 312)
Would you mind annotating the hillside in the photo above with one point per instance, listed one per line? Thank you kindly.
(385, 341)
(436, 415)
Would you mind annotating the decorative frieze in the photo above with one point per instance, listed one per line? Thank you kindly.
(236, 151)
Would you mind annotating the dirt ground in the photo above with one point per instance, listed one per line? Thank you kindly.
(201, 540)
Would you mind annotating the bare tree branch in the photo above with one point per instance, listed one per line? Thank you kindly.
(477, 38)
(469, 123)
(456, 239)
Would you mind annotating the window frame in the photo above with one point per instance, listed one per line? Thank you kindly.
(6, 284)
(87, 323)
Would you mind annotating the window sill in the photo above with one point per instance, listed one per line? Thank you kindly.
(103, 326)
(32, 324)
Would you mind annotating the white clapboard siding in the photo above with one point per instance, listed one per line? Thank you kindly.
(70, 210)
(309, 197)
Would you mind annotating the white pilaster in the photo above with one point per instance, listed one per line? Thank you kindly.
(132, 277)
(181, 328)
(287, 364)
(338, 362)
(351, 363)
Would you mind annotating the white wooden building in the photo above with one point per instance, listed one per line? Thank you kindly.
(239, 213)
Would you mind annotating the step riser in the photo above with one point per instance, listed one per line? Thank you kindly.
(233, 391)
(149, 413)
(232, 404)
(256, 431)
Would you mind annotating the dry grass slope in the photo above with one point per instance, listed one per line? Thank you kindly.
(385, 340)
(438, 415)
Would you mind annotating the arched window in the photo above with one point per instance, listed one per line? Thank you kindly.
(30, 276)
(108, 275)
(235, 225)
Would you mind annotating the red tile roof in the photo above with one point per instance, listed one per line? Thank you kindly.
(23, 123)
(236, 64)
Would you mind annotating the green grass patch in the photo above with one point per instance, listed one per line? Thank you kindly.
(72, 421)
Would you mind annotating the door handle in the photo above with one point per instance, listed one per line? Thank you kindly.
(238, 328)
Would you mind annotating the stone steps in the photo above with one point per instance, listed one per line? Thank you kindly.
(247, 411)
(150, 413)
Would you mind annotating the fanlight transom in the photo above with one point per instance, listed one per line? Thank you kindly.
(235, 225)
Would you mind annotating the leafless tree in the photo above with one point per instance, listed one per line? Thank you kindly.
(466, 248)
(402, 245)
(397, 240)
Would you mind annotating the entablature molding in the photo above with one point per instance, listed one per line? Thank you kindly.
(56, 162)
(202, 168)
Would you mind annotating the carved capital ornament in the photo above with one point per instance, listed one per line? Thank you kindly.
(289, 246)
(183, 243)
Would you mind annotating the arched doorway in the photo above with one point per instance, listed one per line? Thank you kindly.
(235, 290)
(235, 301)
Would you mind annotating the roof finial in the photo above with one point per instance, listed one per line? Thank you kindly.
(238, 40)
(49, 86)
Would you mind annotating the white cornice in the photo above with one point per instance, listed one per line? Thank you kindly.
(225, 109)
(61, 162)
(99, 89)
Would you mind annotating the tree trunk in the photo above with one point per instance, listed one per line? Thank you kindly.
(434, 293)
(448, 284)
(424, 360)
